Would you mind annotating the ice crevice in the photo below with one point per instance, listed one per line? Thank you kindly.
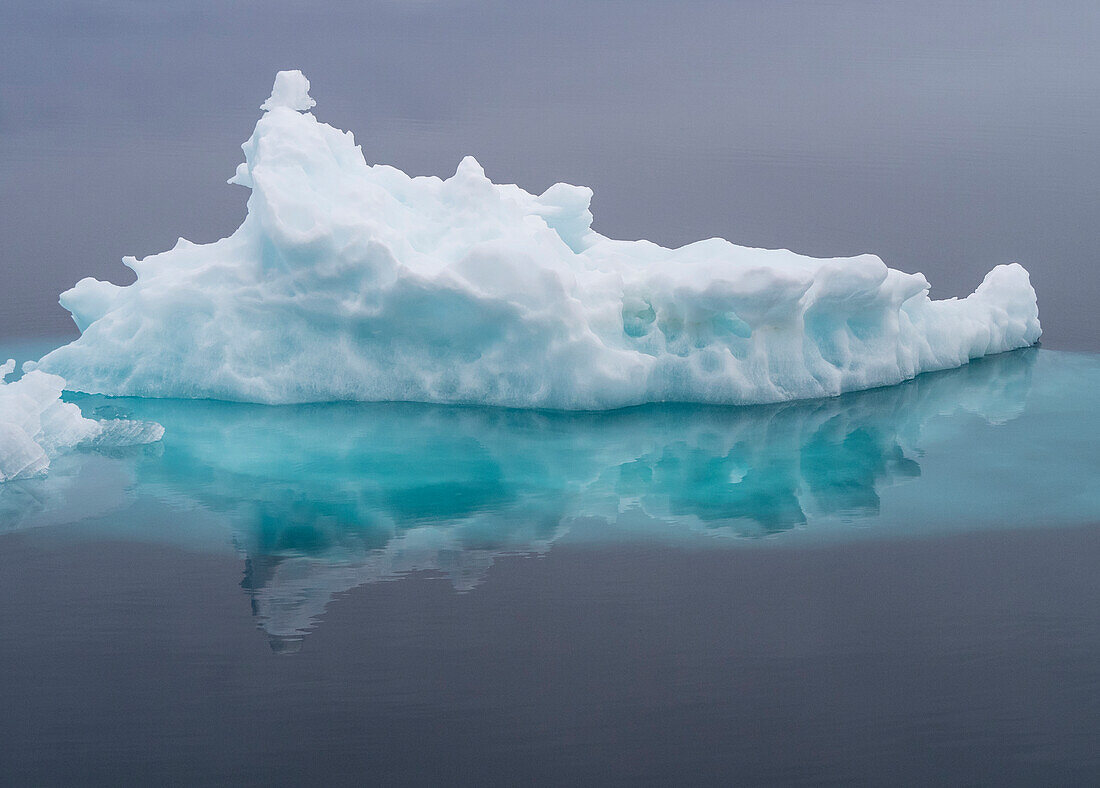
(352, 281)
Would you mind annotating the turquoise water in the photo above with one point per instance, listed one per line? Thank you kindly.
(320, 499)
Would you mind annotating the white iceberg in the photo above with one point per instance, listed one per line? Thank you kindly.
(348, 281)
(36, 426)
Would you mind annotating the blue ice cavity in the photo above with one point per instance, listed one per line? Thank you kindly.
(350, 281)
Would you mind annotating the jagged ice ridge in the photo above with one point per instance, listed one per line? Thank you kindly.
(348, 281)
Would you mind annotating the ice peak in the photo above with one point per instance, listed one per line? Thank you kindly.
(291, 90)
(470, 167)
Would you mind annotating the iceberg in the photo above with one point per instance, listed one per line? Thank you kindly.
(36, 425)
(352, 281)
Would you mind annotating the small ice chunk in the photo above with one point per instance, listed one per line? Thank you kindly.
(35, 425)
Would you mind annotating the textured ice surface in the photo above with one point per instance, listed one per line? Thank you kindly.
(348, 281)
(36, 426)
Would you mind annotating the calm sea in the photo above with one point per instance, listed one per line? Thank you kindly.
(897, 586)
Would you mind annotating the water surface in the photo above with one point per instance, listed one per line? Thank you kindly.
(896, 586)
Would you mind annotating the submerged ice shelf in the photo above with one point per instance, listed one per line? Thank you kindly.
(348, 281)
(320, 498)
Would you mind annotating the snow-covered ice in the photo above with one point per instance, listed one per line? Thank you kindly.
(348, 281)
(36, 426)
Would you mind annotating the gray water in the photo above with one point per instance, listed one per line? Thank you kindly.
(898, 586)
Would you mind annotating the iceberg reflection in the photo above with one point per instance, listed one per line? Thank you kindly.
(328, 497)
(319, 499)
